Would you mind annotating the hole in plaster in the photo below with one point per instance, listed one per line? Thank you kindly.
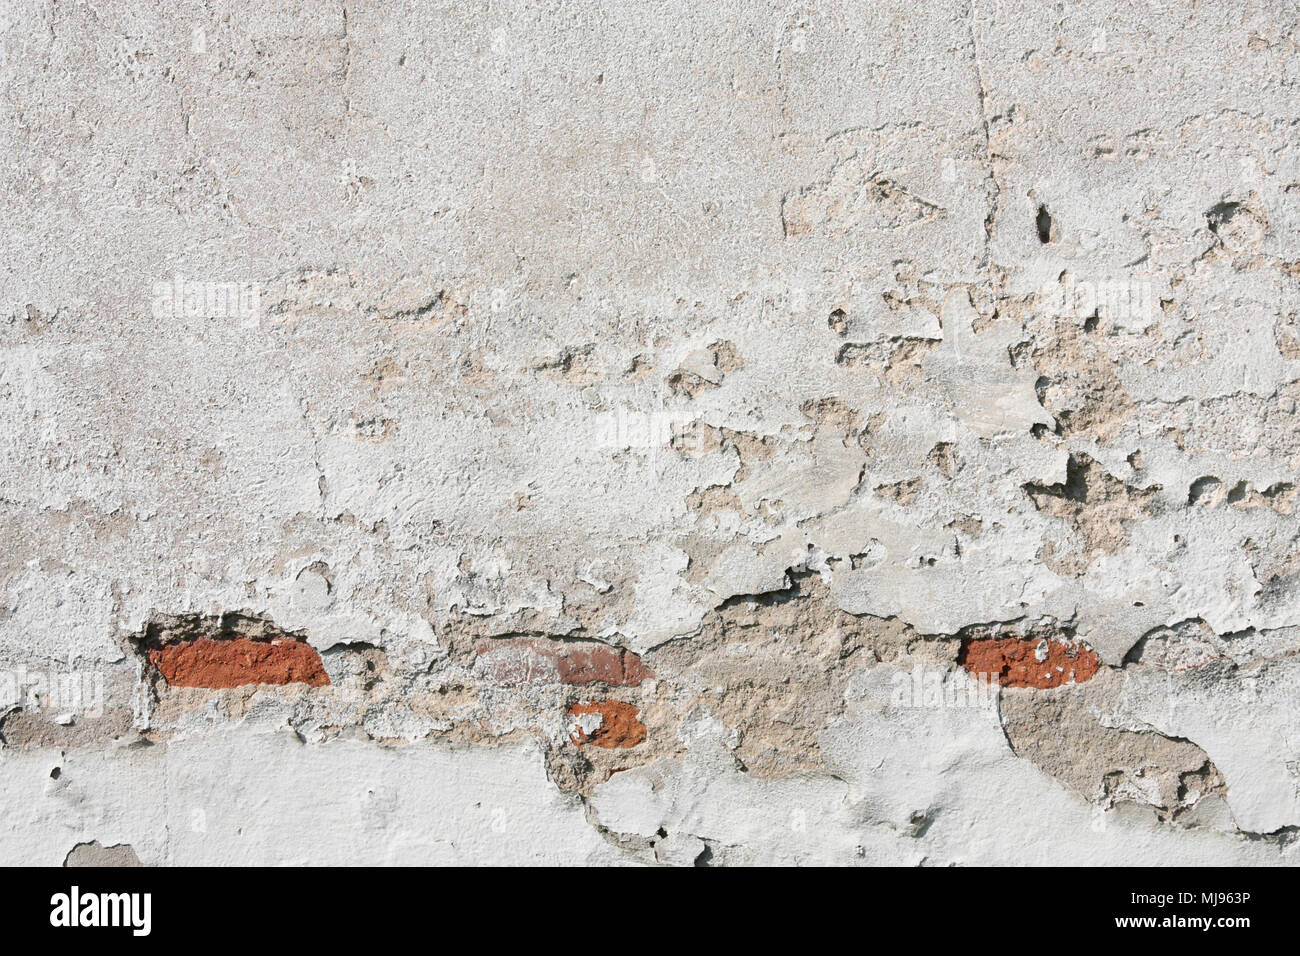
(1046, 228)
(228, 650)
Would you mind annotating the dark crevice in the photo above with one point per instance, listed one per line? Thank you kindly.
(1046, 228)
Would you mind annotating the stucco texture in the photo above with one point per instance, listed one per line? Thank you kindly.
(634, 433)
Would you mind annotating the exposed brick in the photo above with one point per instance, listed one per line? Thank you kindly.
(635, 670)
(594, 664)
(1015, 661)
(612, 724)
(513, 662)
(209, 662)
(542, 661)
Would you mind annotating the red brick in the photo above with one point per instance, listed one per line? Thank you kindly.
(1013, 661)
(619, 727)
(208, 662)
(541, 661)
(514, 662)
(635, 670)
(591, 664)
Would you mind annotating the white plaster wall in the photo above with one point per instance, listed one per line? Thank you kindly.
(530, 282)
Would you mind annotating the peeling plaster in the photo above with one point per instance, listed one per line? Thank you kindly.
(629, 424)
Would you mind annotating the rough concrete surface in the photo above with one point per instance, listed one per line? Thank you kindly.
(665, 432)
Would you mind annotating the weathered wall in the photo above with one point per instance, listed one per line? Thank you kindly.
(547, 433)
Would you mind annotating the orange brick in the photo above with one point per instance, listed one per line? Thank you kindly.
(619, 725)
(1013, 661)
